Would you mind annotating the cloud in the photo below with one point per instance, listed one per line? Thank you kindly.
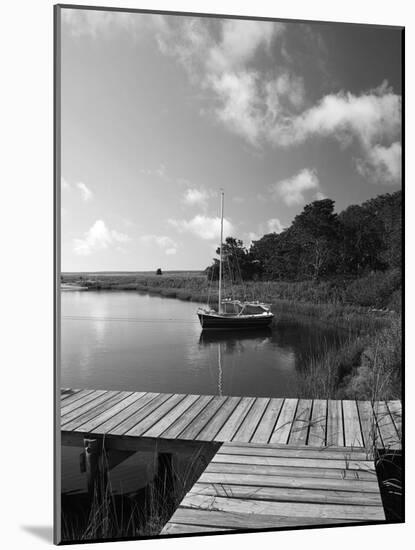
(319, 196)
(98, 237)
(205, 227)
(240, 41)
(263, 104)
(252, 236)
(80, 23)
(196, 197)
(274, 225)
(218, 57)
(270, 106)
(167, 244)
(372, 119)
(291, 190)
(85, 191)
(382, 164)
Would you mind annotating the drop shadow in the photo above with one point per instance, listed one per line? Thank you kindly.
(42, 532)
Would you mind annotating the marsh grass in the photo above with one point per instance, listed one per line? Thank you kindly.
(106, 515)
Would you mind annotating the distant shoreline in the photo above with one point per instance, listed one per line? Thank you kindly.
(374, 327)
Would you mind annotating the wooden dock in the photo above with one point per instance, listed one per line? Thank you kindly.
(276, 462)
(252, 486)
(180, 417)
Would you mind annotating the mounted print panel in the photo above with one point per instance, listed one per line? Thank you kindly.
(229, 274)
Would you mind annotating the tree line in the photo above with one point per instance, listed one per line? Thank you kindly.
(321, 244)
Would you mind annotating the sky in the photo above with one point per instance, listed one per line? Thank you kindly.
(161, 112)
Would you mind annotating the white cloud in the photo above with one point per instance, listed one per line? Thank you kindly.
(382, 164)
(93, 23)
(252, 236)
(239, 42)
(167, 244)
(205, 227)
(292, 190)
(319, 196)
(274, 226)
(370, 117)
(218, 56)
(85, 191)
(98, 237)
(268, 107)
(196, 197)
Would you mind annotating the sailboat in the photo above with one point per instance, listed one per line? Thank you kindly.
(233, 314)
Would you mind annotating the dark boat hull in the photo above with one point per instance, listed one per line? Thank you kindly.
(233, 322)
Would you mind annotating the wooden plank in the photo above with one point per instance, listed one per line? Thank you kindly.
(182, 529)
(209, 432)
(198, 423)
(251, 420)
(235, 420)
(395, 408)
(352, 430)
(163, 424)
(71, 404)
(109, 425)
(238, 520)
(124, 401)
(68, 392)
(288, 470)
(266, 425)
(301, 448)
(301, 424)
(93, 412)
(133, 419)
(181, 423)
(386, 426)
(334, 424)
(286, 509)
(289, 480)
(87, 407)
(285, 494)
(155, 416)
(287, 451)
(318, 425)
(343, 464)
(368, 424)
(283, 427)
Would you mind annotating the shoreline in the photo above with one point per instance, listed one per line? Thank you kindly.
(367, 366)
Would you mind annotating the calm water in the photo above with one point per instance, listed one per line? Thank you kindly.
(133, 341)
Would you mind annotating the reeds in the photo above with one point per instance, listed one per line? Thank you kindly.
(109, 516)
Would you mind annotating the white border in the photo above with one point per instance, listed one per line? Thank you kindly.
(27, 231)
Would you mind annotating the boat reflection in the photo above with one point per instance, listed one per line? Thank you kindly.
(230, 343)
(234, 336)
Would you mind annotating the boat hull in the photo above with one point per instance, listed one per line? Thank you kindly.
(217, 322)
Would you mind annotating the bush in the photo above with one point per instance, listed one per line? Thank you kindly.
(374, 290)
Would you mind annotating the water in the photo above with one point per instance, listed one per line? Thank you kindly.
(132, 341)
(137, 342)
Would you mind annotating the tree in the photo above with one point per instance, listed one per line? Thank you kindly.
(237, 262)
(315, 230)
(159, 272)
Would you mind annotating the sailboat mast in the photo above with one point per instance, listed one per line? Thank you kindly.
(220, 254)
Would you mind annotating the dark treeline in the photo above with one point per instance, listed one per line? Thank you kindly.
(323, 245)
